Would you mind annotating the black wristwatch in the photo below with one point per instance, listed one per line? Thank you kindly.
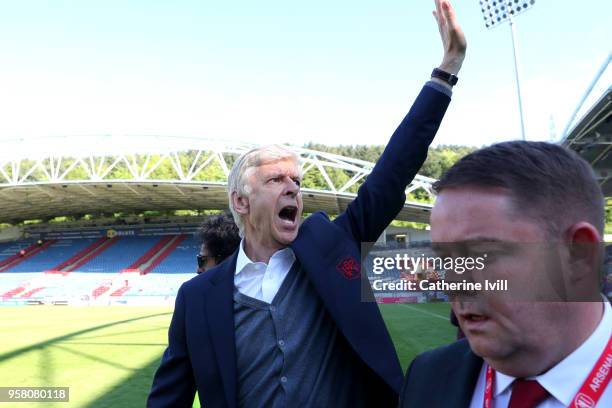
(444, 76)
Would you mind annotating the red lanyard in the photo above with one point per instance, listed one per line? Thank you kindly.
(488, 397)
(590, 392)
(596, 382)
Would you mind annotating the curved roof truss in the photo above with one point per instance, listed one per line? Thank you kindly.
(44, 178)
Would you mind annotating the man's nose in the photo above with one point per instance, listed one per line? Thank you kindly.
(292, 188)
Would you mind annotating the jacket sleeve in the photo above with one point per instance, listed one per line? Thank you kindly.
(173, 384)
(382, 195)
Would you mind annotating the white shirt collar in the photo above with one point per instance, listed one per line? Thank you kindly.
(283, 256)
(565, 379)
(502, 382)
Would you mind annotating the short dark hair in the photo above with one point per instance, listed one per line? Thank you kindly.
(220, 235)
(547, 182)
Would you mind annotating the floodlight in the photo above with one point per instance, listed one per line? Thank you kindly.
(498, 11)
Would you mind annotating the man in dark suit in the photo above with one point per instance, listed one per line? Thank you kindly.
(536, 210)
(281, 322)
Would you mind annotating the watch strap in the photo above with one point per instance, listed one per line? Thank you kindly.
(444, 76)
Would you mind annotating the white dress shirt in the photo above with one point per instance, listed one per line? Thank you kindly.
(563, 380)
(259, 280)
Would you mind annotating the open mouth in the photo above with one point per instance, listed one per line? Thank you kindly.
(474, 317)
(288, 213)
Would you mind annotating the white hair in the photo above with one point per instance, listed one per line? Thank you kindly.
(237, 179)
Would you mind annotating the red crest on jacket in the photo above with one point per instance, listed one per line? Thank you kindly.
(349, 267)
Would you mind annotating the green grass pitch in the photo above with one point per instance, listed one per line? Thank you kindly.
(108, 355)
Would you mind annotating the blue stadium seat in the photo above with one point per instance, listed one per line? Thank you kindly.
(182, 259)
(51, 256)
(120, 255)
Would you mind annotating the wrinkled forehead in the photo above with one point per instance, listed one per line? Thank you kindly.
(286, 166)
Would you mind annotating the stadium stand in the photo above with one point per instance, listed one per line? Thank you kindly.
(86, 255)
(50, 256)
(23, 255)
(99, 291)
(167, 250)
(157, 254)
(31, 292)
(181, 259)
(118, 257)
(120, 291)
(85, 265)
(13, 292)
(10, 249)
(112, 265)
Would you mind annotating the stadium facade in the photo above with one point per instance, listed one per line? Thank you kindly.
(135, 259)
(143, 260)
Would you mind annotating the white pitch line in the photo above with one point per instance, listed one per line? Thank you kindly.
(426, 312)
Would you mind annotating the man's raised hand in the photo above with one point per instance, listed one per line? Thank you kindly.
(452, 36)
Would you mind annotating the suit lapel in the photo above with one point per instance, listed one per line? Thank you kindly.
(220, 316)
(464, 374)
(324, 255)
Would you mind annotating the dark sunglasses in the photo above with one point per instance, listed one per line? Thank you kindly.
(203, 259)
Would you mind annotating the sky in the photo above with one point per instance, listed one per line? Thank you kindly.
(332, 72)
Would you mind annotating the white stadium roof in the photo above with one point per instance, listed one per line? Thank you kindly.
(41, 178)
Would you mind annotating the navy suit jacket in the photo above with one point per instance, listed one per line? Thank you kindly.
(444, 377)
(201, 347)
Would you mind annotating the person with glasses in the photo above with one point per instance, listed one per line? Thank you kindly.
(219, 238)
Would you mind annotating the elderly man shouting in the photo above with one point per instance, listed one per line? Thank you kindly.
(281, 322)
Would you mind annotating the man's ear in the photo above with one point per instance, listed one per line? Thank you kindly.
(240, 203)
(584, 243)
